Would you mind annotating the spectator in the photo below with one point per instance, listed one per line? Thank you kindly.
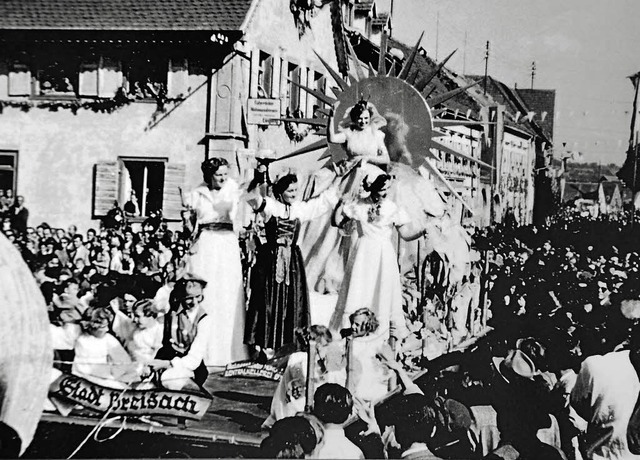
(19, 215)
(606, 389)
(333, 404)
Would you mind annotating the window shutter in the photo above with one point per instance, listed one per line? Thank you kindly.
(19, 80)
(294, 102)
(105, 187)
(109, 77)
(174, 174)
(88, 79)
(177, 79)
(268, 76)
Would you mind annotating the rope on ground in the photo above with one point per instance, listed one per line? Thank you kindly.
(106, 423)
(99, 424)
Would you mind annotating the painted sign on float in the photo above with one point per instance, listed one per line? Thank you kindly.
(184, 404)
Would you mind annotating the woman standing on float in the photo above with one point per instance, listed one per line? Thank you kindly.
(215, 257)
(279, 305)
(372, 277)
(324, 248)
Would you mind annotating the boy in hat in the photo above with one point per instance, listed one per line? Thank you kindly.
(187, 331)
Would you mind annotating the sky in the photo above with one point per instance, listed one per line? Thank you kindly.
(584, 49)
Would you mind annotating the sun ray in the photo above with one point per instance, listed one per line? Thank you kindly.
(315, 93)
(412, 78)
(322, 143)
(428, 167)
(438, 69)
(437, 100)
(404, 73)
(356, 63)
(445, 148)
(323, 111)
(372, 71)
(392, 70)
(305, 121)
(382, 56)
(334, 74)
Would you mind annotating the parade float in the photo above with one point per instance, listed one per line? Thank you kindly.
(441, 303)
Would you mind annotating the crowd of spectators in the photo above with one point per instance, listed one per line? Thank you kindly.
(557, 296)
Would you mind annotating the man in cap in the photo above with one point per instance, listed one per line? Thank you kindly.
(187, 331)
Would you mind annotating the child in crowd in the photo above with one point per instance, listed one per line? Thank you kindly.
(67, 306)
(99, 357)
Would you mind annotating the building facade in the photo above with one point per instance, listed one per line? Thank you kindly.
(129, 101)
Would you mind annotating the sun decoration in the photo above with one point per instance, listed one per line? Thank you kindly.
(407, 112)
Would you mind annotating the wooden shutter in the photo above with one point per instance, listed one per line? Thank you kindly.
(268, 76)
(294, 101)
(19, 80)
(174, 174)
(88, 79)
(109, 77)
(105, 187)
(177, 79)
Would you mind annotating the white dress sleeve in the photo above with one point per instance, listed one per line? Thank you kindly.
(401, 217)
(302, 210)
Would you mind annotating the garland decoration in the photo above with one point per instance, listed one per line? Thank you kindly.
(296, 131)
(102, 105)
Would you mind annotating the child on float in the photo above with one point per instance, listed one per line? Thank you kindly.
(187, 333)
(329, 367)
(368, 378)
(146, 338)
(99, 357)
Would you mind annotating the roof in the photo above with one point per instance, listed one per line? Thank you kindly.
(608, 189)
(540, 101)
(156, 15)
(574, 190)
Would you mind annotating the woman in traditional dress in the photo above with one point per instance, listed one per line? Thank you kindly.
(372, 278)
(325, 249)
(215, 257)
(279, 304)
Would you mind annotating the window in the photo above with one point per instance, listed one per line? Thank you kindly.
(146, 75)
(265, 75)
(144, 179)
(293, 91)
(8, 169)
(56, 74)
(153, 182)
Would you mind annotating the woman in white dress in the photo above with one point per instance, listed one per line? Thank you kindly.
(326, 250)
(372, 277)
(215, 257)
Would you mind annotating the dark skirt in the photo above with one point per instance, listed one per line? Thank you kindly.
(276, 309)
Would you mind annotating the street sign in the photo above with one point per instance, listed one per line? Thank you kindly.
(263, 111)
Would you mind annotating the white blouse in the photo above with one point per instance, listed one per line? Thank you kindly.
(215, 205)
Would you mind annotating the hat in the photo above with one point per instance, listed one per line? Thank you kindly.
(516, 363)
(189, 276)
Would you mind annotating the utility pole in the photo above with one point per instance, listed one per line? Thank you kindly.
(391, 19)
(486, 66)
(533, 72)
